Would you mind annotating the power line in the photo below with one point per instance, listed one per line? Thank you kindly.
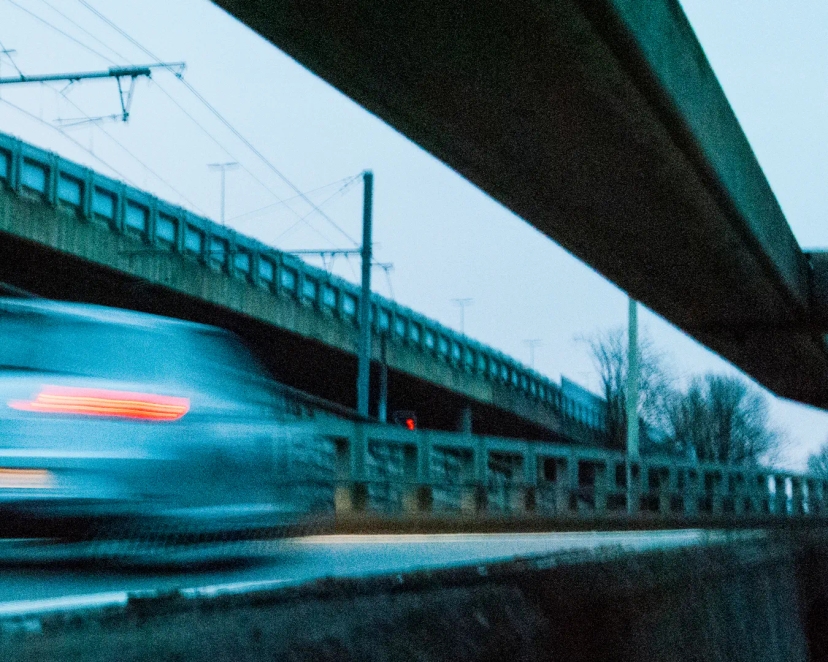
(220, 145)
(224, 121)
(80, 27)
(65, 34)
(117, 29)
(8, 53)
(232, 156)
(286, 200)
(95, 156)
(139, 161)
(325, 201)
(252, 148)
(387, 267)
(70, 138)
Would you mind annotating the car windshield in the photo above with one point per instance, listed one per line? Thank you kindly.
(182, 356)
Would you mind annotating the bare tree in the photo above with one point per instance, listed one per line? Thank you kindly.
(609, 354)
(818, 462)
(720, 418)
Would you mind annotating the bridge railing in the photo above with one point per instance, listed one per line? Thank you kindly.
(157, 226)
(391, 470)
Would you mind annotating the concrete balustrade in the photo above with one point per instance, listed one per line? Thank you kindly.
(388, 469)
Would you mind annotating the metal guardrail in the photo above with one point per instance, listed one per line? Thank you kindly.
(383, 469)
(92, 197)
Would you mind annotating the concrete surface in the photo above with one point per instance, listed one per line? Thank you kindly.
(600, 123)
(745, 600)
(33, 576)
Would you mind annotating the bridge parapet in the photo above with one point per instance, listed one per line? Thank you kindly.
(391, 470)
(76, 211)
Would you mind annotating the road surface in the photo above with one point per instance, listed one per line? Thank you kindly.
(45, 578)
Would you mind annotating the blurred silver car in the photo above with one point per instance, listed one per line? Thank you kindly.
(116, 423)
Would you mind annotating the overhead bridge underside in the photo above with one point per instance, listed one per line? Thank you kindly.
(602, 124)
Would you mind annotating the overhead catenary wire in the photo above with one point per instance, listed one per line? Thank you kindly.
(342, 188)
(223, 120)
(267, 207)
(7, 53)
(219, 144)
(273, 168)
(112, 168)
(65, 34)
(134, 157)
(83, 29)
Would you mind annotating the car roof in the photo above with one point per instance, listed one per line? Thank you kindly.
(102, 314)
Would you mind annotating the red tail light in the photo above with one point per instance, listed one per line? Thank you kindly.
(103, 402)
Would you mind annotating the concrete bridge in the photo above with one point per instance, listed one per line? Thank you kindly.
(602, 124)
(67, 232)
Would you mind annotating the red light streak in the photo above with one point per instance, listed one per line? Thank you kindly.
(104, 402)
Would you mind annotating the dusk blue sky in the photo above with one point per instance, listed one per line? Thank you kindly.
(445, 238)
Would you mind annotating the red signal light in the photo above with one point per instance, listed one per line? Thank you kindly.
(406, 418)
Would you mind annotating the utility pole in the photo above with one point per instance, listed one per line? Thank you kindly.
(462, 303)
(223, 167)
(532, 343)
(632, 399)
(364, 349)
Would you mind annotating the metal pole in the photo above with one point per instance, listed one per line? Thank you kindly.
(632, 398)
(364, 349)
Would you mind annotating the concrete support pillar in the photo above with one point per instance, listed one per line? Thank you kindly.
(351, 493)
(820, 496)
(602, 484)
(635, 476)
(530, 480)
(354, 495)
(810, 497)
(417, 494)
(665, 489)
(760, 496)
(572, 484)
(781, 497)
(738, 493)
(464, 420)
(480, 476)
(691, 492)
(713, 490)
(798, 500)
(561, 487)
(422, 474)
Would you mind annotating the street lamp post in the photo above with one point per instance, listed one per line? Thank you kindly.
(462, 303)
(532, 343)
(223, 168)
